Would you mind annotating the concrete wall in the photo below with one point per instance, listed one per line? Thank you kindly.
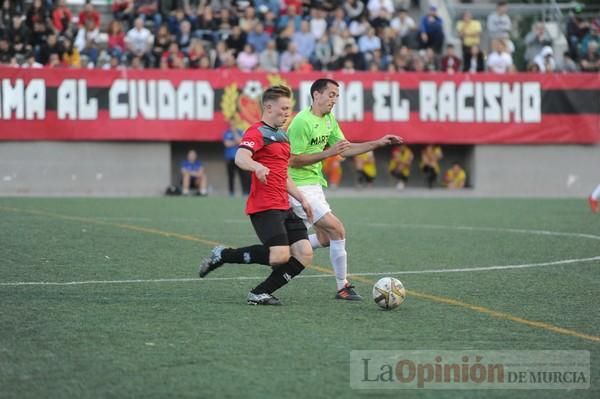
(146, 169)
(84, 168)
(548, 171)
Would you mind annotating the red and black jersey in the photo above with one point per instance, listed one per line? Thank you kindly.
(270, 147)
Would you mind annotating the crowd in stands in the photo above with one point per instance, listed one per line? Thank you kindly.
(276, 35)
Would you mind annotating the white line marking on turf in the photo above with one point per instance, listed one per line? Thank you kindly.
(242, 278)
(492, 229)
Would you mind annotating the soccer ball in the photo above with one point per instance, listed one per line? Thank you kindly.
(389, 293)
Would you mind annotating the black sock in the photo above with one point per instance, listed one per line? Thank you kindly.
(252, 254)
(280, 276)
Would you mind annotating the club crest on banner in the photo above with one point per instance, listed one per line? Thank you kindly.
(241, 105)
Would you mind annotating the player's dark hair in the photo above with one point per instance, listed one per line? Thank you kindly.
(273, 93)
(320, 85)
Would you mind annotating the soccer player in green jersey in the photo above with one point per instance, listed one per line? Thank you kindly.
(314, 136)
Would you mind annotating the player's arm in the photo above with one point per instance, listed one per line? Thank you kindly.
(298, 160)
(293, 190)
(243, 159)
(360, 148)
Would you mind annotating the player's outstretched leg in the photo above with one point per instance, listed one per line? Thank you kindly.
(262, 294)
(221, 255)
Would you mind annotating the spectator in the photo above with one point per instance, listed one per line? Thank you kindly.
(499, 61)
(340, 41)
(9, 10)
(139, 41)
(289, 59)
(247, 60)
(354, 9)
(290, 16)
(332, 168)
(147, 10)
(360, 26)
(368, 43)
(403, 25)
(264, 6)
(366, 171)
(89, 13)
(351, 53)
(348, 66)
(455, 177)
(536, 40)
(318, 24)
(193, 175)
(176, 19)
(475, 62)
(184, 37)
(258, 38)
(89, 32)
(227, 20)
(6, 51)
(90, 51)
(196, 53)
(61, 17)
(231, 139)
(37, 15)
(577, 28)
(220, 54)
(116, 38)
(430, 163)
(206, 25)
(339, 21)
(248, 20)
(123, 11)
(593, 36)
(323, 57)
(432, 30)
(71, 57)
(431, 60)
(30, 62)
(162, 41)
(399, 166)
(303, 66)
(304, 40)
(590, 60)
(380, 12)
(545, 60)
(469, 30)
(568, 64)
(268, 60)
(236, 40)
(450, 62)
(173, 55)
(52, 46)
(499, 25)
(54, 61)
(20, 37)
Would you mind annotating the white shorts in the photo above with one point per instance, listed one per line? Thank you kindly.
(316, 198)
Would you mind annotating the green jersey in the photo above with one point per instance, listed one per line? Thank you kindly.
(309, 134)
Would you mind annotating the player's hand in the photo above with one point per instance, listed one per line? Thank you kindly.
(391, 139)
(340, 147)
(307, 209)
(261, 173)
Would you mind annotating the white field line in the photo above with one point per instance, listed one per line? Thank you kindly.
(489, 229)
(242, 278)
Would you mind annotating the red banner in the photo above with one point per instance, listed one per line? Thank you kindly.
(192, 105)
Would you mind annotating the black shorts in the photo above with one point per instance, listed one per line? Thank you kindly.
(278, 227)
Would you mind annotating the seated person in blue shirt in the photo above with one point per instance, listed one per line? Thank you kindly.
(193, 175)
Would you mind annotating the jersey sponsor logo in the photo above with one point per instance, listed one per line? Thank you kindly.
(319, 140)
(247, 143)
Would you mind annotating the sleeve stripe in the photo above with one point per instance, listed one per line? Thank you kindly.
(247, 148)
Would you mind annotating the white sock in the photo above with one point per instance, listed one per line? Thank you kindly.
(596, 193)
(314, 242)
(339, 261)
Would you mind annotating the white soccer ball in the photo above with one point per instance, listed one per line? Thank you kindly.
(389, 293)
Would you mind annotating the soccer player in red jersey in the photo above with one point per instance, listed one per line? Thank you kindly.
(265, 151)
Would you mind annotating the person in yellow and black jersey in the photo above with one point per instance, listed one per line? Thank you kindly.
(430, 163)
(399, 166)
(455, 177)
(366, 171)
